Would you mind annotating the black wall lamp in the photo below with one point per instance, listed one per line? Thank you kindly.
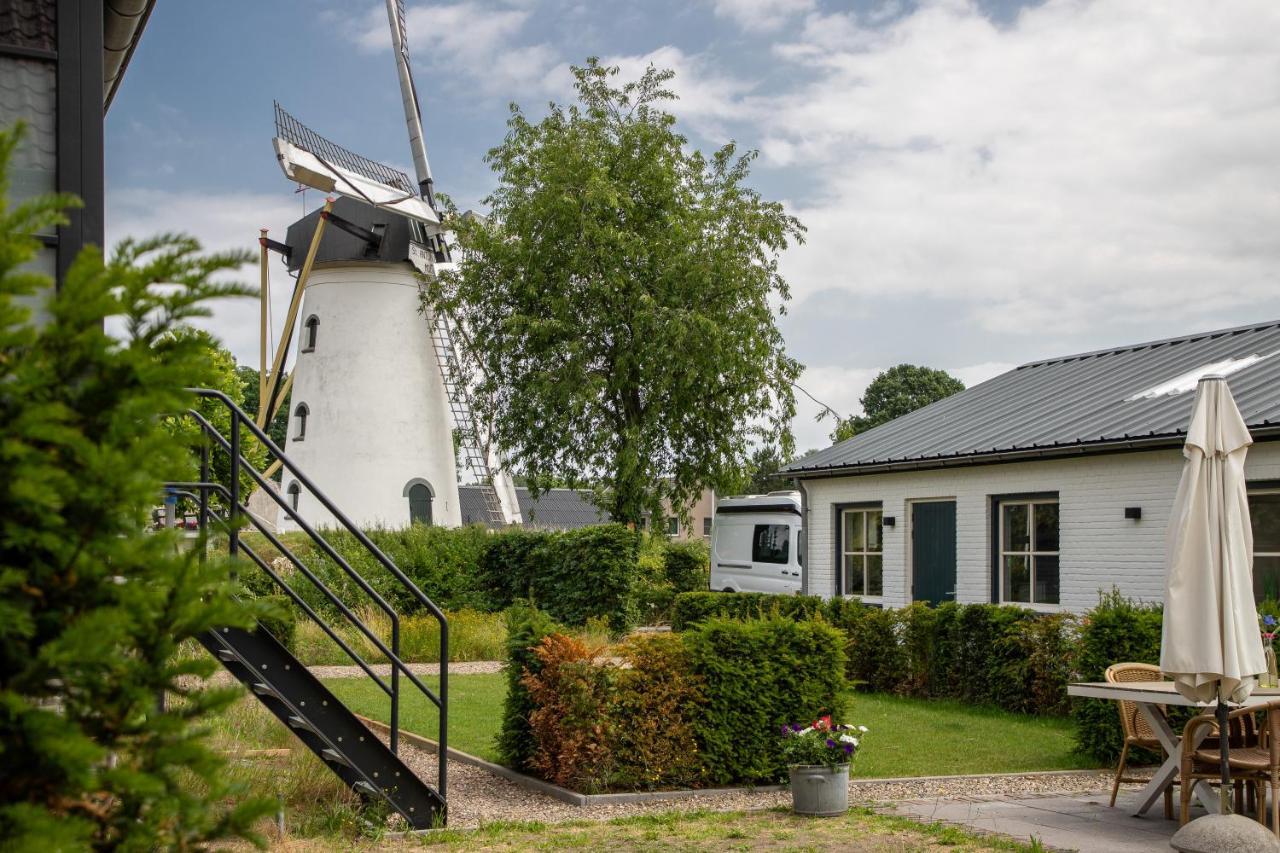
(1134, 512)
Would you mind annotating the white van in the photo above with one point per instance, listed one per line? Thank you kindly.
(755, 544)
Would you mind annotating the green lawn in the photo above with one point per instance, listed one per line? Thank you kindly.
(919, 737)
(475, 708)
(860, 829)
(908, 737)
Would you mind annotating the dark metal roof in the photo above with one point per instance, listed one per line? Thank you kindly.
(555, 509)
(1075, 404)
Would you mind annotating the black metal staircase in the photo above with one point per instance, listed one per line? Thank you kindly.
(272, 673)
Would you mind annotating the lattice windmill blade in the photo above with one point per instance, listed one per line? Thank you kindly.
(312, 160)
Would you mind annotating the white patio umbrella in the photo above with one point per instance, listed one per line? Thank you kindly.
(1211, 645)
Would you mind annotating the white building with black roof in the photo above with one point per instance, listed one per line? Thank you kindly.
(1041, 487)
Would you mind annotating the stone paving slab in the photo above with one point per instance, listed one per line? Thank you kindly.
(1080, 822)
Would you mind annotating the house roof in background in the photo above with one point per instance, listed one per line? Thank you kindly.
(1126, 397)
(558, 509)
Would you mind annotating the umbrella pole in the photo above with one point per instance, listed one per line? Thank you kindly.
(1224, 748)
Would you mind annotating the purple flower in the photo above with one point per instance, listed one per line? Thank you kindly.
(1269, 621)
(831, 743)
(848, 749)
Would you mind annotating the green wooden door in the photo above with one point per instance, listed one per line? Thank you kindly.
(933, 551)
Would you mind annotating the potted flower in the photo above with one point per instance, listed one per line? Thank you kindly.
(1268, 625)
(819, 756)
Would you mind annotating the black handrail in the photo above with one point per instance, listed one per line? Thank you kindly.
(204, 488)
(235, 509)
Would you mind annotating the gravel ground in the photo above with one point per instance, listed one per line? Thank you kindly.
(477, 796)
(476, 667)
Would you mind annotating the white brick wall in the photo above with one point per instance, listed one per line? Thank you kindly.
(1099, 546)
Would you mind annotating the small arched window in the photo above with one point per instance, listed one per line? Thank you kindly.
(309, 331)
(300, 415)
(419, 503)
(294, 490)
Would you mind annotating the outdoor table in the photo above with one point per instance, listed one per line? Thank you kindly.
(1148, 695)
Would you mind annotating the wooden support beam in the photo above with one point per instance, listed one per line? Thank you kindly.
(286, 334)
(263, 309)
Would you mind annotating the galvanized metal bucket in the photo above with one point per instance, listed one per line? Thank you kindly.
(820, 791)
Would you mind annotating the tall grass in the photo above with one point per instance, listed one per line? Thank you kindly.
(312, 798)
(472, 636)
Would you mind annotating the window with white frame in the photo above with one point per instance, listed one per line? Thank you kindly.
(1264, 517)
(1028, 538)
(860, 551)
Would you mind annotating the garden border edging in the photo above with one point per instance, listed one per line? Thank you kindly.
(573, 798)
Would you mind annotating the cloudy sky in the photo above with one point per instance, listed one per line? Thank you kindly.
(984, 183)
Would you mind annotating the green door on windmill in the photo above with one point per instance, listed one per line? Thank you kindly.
(933, 551)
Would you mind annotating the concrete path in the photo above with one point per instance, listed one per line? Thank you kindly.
(1060, 822)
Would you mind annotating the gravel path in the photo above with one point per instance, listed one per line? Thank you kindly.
(475, 667)
(383, 670)
(477, 796)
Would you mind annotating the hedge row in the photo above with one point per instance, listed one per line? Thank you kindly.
(598, 572)
(1011, 657)
(703, 707)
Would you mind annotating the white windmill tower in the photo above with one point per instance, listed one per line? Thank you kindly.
(378, 397)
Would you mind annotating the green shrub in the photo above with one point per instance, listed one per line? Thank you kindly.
(574, 575)
(876, 661)
(652, 710)
(96, 610)
(506, 568)
(687, 566)
(758, 676)
(1116, 631)
(693, 608)
(280, 619)
(526, 628)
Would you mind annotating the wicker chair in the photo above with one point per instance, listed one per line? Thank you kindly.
(1253, 755)
(1137, 731)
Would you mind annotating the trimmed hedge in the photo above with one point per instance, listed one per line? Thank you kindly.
(692, 608)
(759, 675)
(1117, 630)
(981, 653)
(575, 575)
(687, 566)
(527, 627)
(698, 708)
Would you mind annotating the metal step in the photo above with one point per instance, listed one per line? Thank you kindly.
(330, 754)
(323, 724)
(265, 690)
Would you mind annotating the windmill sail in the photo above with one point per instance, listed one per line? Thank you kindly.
(311, 160)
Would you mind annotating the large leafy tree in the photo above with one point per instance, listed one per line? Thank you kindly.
(93, 607)
(621, 300)
(895, 392)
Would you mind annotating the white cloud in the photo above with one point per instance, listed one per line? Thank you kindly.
(473, 38)
(228, 221)
(708, 97)
(1086, 165)
(761, 15)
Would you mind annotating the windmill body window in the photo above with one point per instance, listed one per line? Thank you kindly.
(294, 491)
(310, 329)
(300, 415)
